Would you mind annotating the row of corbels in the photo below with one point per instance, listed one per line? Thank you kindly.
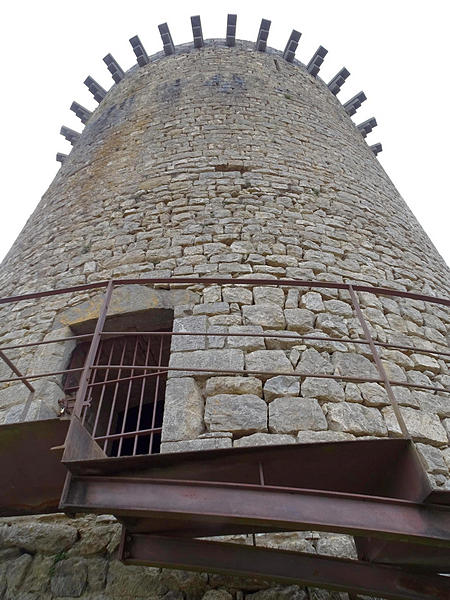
(313, 67)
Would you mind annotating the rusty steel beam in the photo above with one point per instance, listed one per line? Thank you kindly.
(283, 566)
(278, 507)
(224, 281)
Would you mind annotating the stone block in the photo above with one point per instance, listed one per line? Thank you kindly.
(69, 577)
(291, 592)
(339, 545)
(269, 316)
(216, 341)
(432, 459)
(267, 361)
(312, 301)
(311, 437)
(268, 295)
(323, 389)
(32, 536)
(374, 394)
(233, 385)
(282, 343)
(247, 342)
(424, 362)
(433, 403)
(264, 439)
(237, 294)
(240, 413)
(222, 360)
(299, 319)
(195, 324)
(333, 325)
(211, 443)
(290, 415)
(281, 385)
(354, 365)
(183, 410)
(337, 307)
(313, 362)
(355, 419)
(423, 427)
(132, 581)
(212, 308)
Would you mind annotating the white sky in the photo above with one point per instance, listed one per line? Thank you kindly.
(397, 51)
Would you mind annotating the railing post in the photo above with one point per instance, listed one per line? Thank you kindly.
(379, 364)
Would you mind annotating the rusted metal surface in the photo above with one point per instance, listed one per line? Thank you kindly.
(32, 474)
(283, 566)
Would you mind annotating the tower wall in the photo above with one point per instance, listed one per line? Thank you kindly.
(231, 163)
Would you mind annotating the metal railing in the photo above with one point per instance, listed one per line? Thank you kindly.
(120, 388)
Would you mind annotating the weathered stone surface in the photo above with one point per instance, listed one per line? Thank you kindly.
(239, 413)
(309, 437)
(267, 361)
(288, 339)
(246, 342)
(374, 394)
(281, 385)
(190, 584)
(33, 536)
(432, 459)
(337, 307)
(433, 403)
(312, 301)
(94, 540)
(290, 415)
(356, 419)
(196, 324)
(224, 360)
(313, 362)
(353, 365)
(133, 582)
(423, 427)
(233, 385)
(424, 362)
(212, 308)
(269, 295)
(299, 319)
(336, 545)
(195, 445)
(292, 592)
(264, 439)
(183, 410)
(323, 389)
(333, 325)
(269, 316)
(15, 573)
(217, 595)
(237, 294)
(69, 577)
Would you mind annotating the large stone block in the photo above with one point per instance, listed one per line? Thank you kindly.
(323, 389)
(220, 360)
(211, 443)
(268, 295)
(313, 362)
(356, 419)
(246, 342)
(32, 536)
(423, 427)
(69, 578)
(131, 581)
(354, 365)
(195, 324)
(281, 385)
(239, 413)
(299, 319)
(233, 385)
(290, 415)
(183, 410)
(264, 439)
(267, 361)
(269, 316)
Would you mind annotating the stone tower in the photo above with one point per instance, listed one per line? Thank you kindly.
(211, 162)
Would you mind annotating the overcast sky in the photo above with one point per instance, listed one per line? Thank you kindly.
(397, 51)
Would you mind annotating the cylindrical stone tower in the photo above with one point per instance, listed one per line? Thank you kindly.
(222, 160)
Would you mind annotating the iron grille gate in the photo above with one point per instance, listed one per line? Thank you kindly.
(124, 403)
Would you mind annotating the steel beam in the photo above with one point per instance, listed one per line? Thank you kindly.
(266, 506)
(314, 64)
(231, 30)
(284, 566)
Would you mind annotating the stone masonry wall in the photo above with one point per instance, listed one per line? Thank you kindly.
(225, 163)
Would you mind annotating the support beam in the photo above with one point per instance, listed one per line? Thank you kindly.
(95, 88)
(114, 68)
(139, 50)
(267, 506)
(352, 105)
(366, 127)
(342, 575)
(338, 81)
(313, 67)
(231, 30)
(61, 158)
(168, 45)
(291, 46)
(376, 148)
(71, 135)
(263, 34)
(82, 113)
(196, 25)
